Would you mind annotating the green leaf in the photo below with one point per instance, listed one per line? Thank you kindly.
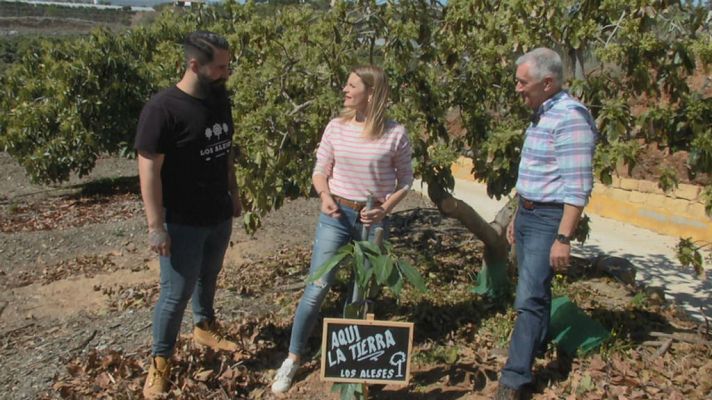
(412, 275)
(383, 265)
(353, 311)
(360, 264)
(668, 180)
(369, 248)
(586, 384)
(348, 391)
(583, 229)
(395, 281)
(359, 257)
(366, 275)
(330, 263)
(451, 355)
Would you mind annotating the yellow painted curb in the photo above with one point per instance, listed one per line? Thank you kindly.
(657, 212)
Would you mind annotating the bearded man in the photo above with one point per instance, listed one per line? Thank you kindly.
(189, 191)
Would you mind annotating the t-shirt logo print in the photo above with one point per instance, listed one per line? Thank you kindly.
(214, 150)
(217, 130)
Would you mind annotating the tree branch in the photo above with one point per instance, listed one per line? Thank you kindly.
(492, 235)
(300, 107)
(618, 25)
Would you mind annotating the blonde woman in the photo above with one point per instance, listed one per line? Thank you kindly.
(361, 153)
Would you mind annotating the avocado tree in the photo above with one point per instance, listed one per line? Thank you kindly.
(646, 52)
(68, 102)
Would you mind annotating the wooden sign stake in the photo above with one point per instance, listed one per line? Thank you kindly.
(369, 317)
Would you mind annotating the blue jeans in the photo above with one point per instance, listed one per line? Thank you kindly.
(192, 269)
(331, 234)
(535, 232)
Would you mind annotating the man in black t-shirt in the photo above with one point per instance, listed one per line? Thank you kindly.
(185, 163)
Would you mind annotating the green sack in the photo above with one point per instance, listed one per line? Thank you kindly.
(571, 329)
(493, 280)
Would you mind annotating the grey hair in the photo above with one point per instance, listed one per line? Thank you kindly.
(543, 62)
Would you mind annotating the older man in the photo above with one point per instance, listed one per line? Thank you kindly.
(554, 184)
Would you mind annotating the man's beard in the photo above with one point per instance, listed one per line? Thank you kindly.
(212, 87)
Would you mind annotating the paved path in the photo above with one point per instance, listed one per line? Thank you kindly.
(652, 254)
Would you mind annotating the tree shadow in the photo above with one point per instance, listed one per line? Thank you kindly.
(660, 269)
(433, 322)
(108, 187)
(632, 327)
(555, 371)
(461, 374)
(416, 229)
(427, 233)
(270, 356)
(633, 324)
(436, 321)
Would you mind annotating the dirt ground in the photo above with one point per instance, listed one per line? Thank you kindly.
(77, 276)
(79, 285)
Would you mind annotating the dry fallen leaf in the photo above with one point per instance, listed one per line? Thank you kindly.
(203, 375)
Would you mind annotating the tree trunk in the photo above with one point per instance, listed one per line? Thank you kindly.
(493, 279)
(575, 64)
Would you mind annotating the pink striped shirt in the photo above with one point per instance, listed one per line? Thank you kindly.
(357, 166)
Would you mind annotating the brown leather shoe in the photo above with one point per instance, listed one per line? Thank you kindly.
(156, 385)
(507, 393)
(207, 333)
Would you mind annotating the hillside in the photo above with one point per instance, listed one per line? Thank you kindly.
(20, 18)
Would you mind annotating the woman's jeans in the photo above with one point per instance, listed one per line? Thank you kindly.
(331, 234)
(192, 269)
(535, 232)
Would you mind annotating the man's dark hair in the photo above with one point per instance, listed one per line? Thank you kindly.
(201, 46)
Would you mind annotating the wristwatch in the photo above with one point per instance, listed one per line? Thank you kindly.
(563, 239)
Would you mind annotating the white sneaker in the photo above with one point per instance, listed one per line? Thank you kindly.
(284, 376)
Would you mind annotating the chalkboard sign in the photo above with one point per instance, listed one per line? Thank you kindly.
(366, 351)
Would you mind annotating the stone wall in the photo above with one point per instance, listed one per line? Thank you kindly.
(642, 203)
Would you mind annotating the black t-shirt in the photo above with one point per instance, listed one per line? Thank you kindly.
(195, 135)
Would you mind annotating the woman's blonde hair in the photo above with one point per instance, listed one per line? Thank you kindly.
(376, 81)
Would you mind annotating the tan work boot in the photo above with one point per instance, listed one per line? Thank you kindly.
(207, 333)
(157, 380)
